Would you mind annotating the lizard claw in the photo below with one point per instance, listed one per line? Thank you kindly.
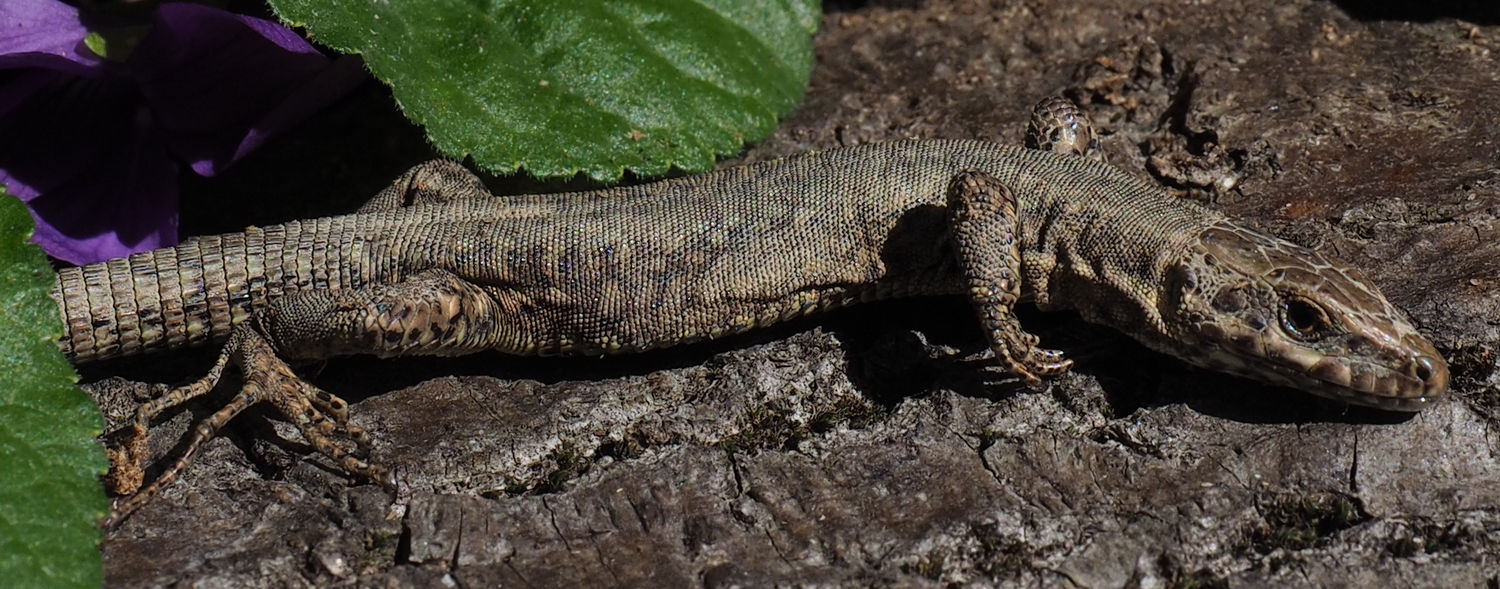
(1038, 364)
(318, 415)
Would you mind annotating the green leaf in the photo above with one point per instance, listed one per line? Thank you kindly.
(50, 496)
(592, 86)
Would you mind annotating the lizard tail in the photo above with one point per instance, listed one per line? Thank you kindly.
(194, 293)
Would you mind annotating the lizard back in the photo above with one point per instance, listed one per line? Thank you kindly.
(682, 260)
(664, 263)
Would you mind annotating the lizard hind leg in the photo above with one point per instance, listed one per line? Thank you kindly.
(433, 312)
(984, 225)
(316, 414)
(430, 182)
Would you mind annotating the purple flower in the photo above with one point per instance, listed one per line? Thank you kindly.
(92, 145)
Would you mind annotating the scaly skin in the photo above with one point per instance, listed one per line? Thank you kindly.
(1270, 310)
(435, 265)
(1274, 311)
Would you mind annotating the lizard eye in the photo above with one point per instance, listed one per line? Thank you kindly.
(1304, 319)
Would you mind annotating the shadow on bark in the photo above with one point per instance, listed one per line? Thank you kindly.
(1482, 12)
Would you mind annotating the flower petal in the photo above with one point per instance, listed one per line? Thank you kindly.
(123, 206)
(221, 84)
(82, 154)
(58, 126)
(45, 34)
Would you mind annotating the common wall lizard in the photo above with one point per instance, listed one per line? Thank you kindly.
(436, 265)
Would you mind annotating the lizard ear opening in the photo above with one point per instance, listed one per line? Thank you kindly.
(1182, 294)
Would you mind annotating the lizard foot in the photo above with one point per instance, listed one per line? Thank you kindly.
(983, 221)
(431, 182)
(318, 415)
(1059, 126)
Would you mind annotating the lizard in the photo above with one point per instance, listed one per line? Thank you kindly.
(437, 265)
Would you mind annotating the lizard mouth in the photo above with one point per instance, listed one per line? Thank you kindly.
(1407, 384)
(1421, 381)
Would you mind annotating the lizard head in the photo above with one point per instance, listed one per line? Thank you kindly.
(1264, 308)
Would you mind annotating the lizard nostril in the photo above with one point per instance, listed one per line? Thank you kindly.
(1423, 369)
(1433, 373)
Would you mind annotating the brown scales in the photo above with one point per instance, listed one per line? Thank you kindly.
(436, 265)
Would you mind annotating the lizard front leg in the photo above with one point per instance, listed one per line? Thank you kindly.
(984, 226)
(433, 313)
